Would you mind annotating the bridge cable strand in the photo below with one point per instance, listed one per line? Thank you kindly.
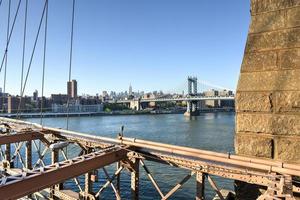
(205, 83)
(24, 45)
(44, 62)
(31, 58)
(70, 64)
(5, 65)
(10, 34)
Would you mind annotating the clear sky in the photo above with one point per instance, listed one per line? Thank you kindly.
(152, 44)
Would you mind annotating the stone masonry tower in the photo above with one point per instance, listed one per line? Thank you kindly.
(268, 93)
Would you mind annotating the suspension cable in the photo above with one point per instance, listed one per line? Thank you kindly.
(5, 65)
(44, 63)
(24, 45)
(10, 34)
(32, 55)
(70, 65)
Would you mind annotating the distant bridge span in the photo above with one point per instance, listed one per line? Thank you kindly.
(192, 98)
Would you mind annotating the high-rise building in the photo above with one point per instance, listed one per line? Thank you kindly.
(72, 89)
(15, 104)
(130, 90)
(35, 95)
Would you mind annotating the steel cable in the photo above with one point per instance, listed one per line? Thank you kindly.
(10, 34)
(24, 45)
(70, 64)
(32, 55)
(44, 63)
(5, 63)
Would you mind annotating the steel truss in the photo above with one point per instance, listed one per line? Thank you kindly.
(35, 178)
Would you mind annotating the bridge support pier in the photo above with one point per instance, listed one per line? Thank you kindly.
(192, 109)
(135, 105)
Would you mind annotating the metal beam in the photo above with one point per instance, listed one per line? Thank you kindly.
(177, 186)
(19, 137)
(151, 178)
(135, 179)
(20, 185)
(215, 187)
(200, 186)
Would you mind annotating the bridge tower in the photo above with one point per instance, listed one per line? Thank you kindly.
(192, 108)
(268, 92)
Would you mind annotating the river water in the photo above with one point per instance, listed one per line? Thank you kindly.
(209, 131)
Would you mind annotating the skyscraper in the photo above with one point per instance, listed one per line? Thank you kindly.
(72, 89)
(35, 95)
(130, 90)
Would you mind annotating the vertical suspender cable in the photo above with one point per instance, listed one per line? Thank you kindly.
(0, 3)
(5, 65)
(44, 62)
(10, 34)
(24, 45)
(32, 55)
(70, 66)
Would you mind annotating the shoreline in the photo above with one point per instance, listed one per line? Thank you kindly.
(114, 113)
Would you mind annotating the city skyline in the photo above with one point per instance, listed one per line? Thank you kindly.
(121, 46)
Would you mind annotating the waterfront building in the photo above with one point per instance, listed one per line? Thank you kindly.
(59, 98)
(76, 108)
(225, 93)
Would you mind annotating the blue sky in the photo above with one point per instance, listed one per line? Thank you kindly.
(152, 44)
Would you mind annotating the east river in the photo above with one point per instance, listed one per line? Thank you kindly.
(209, 131)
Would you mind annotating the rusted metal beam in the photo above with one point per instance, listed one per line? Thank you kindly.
(200, 186)
(230, 172)
(28, 155)
(118, 177)
(183, 151)
(20, 185)
(151, 178)
(177, 186)
(118, 197)
(109, 181)
(19, 137)
(55, 159)
(215, 187)
(88, 185)
(135, 179)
